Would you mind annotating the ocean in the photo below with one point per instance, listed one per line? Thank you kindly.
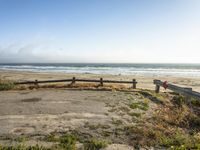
(184, 70)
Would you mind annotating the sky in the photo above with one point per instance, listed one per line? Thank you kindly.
(99, 31)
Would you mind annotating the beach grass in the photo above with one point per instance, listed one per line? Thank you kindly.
(140, 105)
(95, 144)
(6, 85)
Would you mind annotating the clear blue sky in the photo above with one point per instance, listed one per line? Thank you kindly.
(128, 31)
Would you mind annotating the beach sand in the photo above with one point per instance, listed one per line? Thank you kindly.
(144, 81)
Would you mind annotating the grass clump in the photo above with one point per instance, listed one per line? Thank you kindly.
(181, 141)
(68, 142)
(22, 147)
(176, 139)
(52, 138)
(96, 126)
(179, 100)
(21, 139)
(195, 102)
(140, 105)
(95, 144)
(117, 122)
(193, 121)
(134, 114)
(6, 85)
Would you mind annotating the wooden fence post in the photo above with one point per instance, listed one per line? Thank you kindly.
(101, 81)
(73, 80)
(134, 84)
(36, 82)
(188, 97)
(157, 89)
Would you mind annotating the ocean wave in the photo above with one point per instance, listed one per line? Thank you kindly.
(122, 69)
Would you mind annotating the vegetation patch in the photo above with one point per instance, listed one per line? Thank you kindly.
(180, 140)
(175, 139)
(23, 147)
(96, 126)
(140, 105)
(179, 100)
(95, 144)
(154, 97)
(6, 85)
(117, 121)
(68, 142)
(135, 114)
(195, 102)
(52, 138)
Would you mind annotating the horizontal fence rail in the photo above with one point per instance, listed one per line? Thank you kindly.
(74, 80)
(175, 88)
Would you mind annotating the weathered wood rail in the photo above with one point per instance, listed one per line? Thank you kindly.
(185, 91)
(74, 80)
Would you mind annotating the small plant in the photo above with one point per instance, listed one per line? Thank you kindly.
(179, 100)
(155, 97)
(124, 109)
(195, 102)
(6, 85)
(68, 142)
(134, 114)
(140, 105)
(95, 144)
(96, 126)
(37, 147)
(181, 141)
(52, 138)
(21, 139)
(116, 122)
(176, 139)
(22, 147)
(194, 121)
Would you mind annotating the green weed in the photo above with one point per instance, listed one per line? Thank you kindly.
(68, 142)
(134, 114)
(140, 105)
(95, 144)
(6, 85)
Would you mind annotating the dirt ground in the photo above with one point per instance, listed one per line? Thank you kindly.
(41, 112)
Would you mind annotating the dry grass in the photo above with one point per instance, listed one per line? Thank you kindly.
(89, 86)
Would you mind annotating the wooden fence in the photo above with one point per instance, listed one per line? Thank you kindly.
(74, 80)
(185, 91)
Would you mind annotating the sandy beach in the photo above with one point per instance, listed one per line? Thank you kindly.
(144, 81)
